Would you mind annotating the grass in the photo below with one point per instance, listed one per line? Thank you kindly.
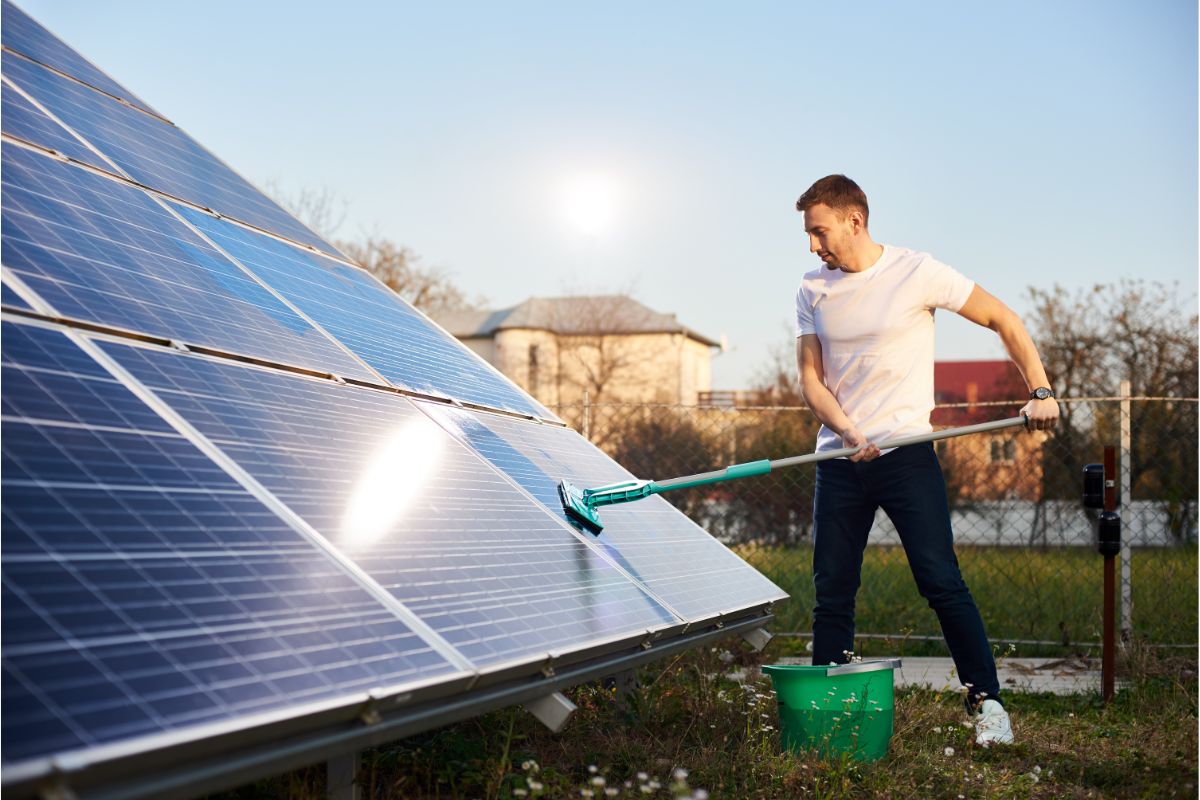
(695, 730)
(1050, 594)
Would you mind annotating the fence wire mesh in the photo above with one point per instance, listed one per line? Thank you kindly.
(1025, 542)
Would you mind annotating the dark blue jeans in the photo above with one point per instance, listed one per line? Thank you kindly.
(907, 484)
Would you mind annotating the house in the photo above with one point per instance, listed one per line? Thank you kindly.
(610, 346)
(990, 466)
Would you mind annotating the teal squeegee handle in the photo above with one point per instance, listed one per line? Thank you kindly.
(635, 490)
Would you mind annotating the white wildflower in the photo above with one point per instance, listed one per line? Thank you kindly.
(949, 751)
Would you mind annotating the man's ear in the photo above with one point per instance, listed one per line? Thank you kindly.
(857, 221)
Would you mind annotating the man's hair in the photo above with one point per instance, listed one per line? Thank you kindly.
(839, 193)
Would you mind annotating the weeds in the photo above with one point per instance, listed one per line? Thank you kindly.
(705, 725)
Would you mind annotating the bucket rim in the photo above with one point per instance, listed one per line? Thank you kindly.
(832, 670)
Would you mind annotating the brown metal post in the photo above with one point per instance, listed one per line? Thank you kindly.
(1108, 657)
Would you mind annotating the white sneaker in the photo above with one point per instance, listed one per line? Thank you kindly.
(992, 725)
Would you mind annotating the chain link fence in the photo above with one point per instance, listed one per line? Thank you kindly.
(1024, 540)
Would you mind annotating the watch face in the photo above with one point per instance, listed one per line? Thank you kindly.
(1041, 393)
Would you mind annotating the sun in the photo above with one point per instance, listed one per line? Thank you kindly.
(590, 203)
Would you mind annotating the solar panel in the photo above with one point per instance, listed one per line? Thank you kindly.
(447, 535)
(207, 553)
(20, 118)
(144, 589)
(664, 550)
(153, 152)
(23, 34)
(101, 250)
(395, 339)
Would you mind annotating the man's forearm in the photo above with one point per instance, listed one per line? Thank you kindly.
(1021, 349)
(825, 407)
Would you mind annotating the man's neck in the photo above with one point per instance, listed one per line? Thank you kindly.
(864, 257)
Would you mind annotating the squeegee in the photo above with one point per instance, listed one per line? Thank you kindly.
(581, 504)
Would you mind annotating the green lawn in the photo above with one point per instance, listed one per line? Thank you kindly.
(1023, 593)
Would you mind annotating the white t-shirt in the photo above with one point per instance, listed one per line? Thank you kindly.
(876, 333)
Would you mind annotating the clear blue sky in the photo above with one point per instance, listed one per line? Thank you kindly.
(1025, 143)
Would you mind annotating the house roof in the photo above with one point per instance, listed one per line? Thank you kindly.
(975, 382)
(578, 316)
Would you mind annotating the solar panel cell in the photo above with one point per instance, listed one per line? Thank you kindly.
(103, 251)
(143, 589)
(383, 330)
(430, 522)
(155, 153)
(9, 297)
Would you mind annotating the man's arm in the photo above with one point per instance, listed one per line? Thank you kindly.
(984, 309)
(822, 402)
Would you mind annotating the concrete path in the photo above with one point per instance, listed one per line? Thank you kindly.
(1056, 675)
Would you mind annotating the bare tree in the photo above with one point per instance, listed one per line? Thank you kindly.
(1143, 332)
(595, 349)
(320, 209)
(398, 267)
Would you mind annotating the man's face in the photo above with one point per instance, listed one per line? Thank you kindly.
(829, 234)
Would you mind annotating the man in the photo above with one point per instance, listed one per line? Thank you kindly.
(864, 345)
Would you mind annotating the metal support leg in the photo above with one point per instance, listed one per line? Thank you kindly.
(623, 683)
(341, 777)
(553, 710)
(758, 638)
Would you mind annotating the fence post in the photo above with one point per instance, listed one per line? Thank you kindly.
(587, 416)
(1126, 503)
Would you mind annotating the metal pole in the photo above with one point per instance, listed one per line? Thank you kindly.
(1108, 660)
(1127, 504)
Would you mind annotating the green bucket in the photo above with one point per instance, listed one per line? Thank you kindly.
(836, 709)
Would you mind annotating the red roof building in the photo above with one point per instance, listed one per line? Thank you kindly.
(973, 382)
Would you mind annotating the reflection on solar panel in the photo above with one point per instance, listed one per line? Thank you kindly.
(153, 152)
(371, 320)
(330, 526)
(24, 35)
(144, 589)
(21, 119)
(99, 250)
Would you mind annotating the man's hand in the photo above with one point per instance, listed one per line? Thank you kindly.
(1041, 414)
(852, 438)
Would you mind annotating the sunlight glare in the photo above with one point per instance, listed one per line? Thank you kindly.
(400, 468)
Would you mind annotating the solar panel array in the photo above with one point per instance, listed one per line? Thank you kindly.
(243, 480)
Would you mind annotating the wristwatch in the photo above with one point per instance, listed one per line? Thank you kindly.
(1041, 393)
